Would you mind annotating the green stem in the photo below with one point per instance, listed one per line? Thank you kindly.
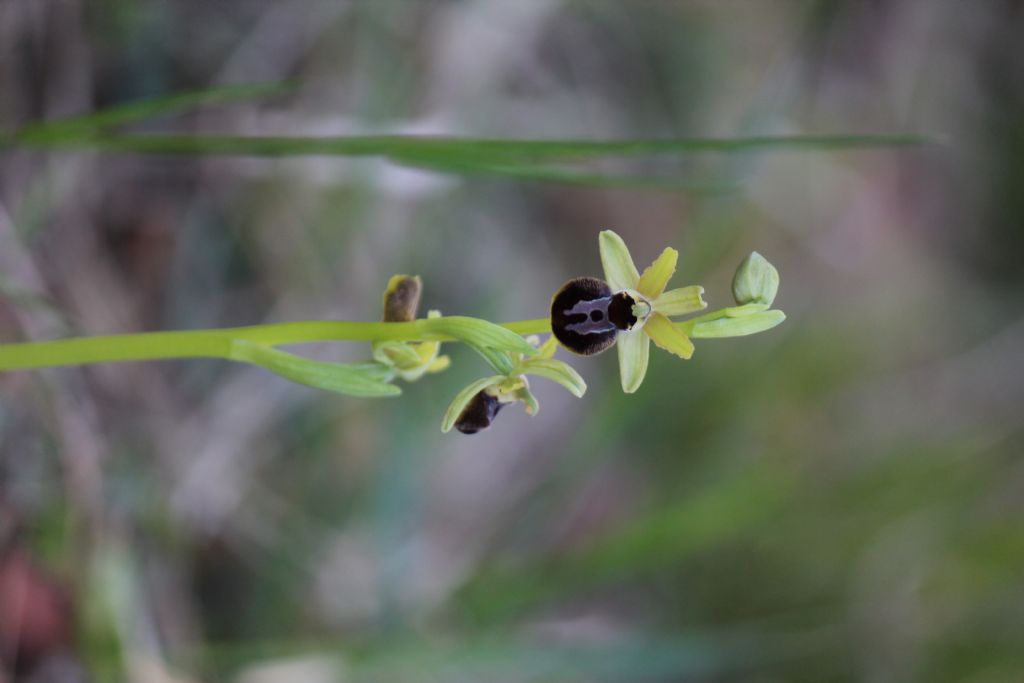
(218, 343)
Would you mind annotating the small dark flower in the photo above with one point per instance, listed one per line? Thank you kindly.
(479, 413)
(475, 407)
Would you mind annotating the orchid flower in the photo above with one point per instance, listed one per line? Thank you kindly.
(632, 308)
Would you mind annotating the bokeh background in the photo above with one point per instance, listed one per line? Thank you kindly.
(839, 499)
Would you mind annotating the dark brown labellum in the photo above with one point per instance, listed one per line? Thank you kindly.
(479, 413)
(586, 315)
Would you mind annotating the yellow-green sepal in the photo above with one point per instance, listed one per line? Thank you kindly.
(619, 270)
(667, 336)
(634, 351)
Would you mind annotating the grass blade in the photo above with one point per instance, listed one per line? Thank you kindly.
(464, 151)
(142, 110)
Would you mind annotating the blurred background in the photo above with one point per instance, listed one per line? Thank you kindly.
(838, 499)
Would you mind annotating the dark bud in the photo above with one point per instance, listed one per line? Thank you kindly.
(402, 298)
(479, 413)
(586, 316)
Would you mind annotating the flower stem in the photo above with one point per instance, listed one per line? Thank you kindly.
(218, 343)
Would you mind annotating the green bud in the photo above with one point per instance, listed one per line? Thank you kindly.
(756, 281)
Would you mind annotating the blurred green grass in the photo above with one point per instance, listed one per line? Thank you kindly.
(837, 500)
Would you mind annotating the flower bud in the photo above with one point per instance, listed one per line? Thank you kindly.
(402, 298)
(479, 413)
(756, 281)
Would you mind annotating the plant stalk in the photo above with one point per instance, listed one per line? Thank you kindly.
(217, 343)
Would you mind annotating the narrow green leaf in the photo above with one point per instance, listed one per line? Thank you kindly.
(463, 398)
(354, 380)
(556, 371)
(541, 172)
(142, 110)
(425, 149)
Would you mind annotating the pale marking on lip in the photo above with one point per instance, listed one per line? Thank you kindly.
(591, 326)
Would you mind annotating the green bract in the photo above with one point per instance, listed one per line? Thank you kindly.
(364, 379)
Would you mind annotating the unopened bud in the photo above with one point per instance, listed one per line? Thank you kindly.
(479, 413)
(756, 281)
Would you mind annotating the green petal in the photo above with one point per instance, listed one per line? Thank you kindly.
(681, 301)
(618, 266)
(556, 371)
(463, 398)
(667, 336)
(355, 380)
(656, 276)
(633, 353)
